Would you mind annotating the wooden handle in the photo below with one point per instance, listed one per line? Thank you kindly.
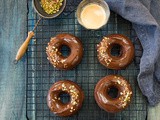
(24, 46)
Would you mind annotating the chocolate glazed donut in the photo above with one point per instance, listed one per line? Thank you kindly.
(108, 103)
(115, 62)
(55, 56)
(65, 109)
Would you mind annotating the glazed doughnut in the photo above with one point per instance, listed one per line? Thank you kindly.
(65, 109)
(115, 62)
(55, 56)
(108, 103)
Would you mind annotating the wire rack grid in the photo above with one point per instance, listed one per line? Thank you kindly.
(41, 74)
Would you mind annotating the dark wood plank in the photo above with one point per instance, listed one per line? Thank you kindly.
(154, 112)
(13, 28)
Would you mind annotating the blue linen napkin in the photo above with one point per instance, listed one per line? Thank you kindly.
(144, 15)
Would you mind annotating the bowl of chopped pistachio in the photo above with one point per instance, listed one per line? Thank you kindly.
(49, 8)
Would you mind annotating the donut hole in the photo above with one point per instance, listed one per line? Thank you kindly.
(113, 92)
(65, 50)
(116, 50)
(64, 97)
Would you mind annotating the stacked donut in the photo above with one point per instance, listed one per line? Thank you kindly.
(102, 88)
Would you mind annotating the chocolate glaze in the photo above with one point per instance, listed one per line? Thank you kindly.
(115, 62)
(108, 103)
(57, 59)
(65, 109)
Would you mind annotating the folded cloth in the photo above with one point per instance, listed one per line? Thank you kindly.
(144, 15)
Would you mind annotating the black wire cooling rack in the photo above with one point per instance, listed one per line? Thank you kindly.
(41, 75)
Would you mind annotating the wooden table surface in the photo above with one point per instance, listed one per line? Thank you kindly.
(13, 22)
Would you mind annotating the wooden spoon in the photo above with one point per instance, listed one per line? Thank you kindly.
(24, 46)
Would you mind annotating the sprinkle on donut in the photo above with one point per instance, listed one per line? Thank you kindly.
(126, 95)
(56, 58)
(105, 101)
(115, 62)
(65, 109)
(54, 55)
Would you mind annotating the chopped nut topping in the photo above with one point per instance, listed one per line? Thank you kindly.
(51, 6)
(71, 110)
(106, 38)
(65, 66)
